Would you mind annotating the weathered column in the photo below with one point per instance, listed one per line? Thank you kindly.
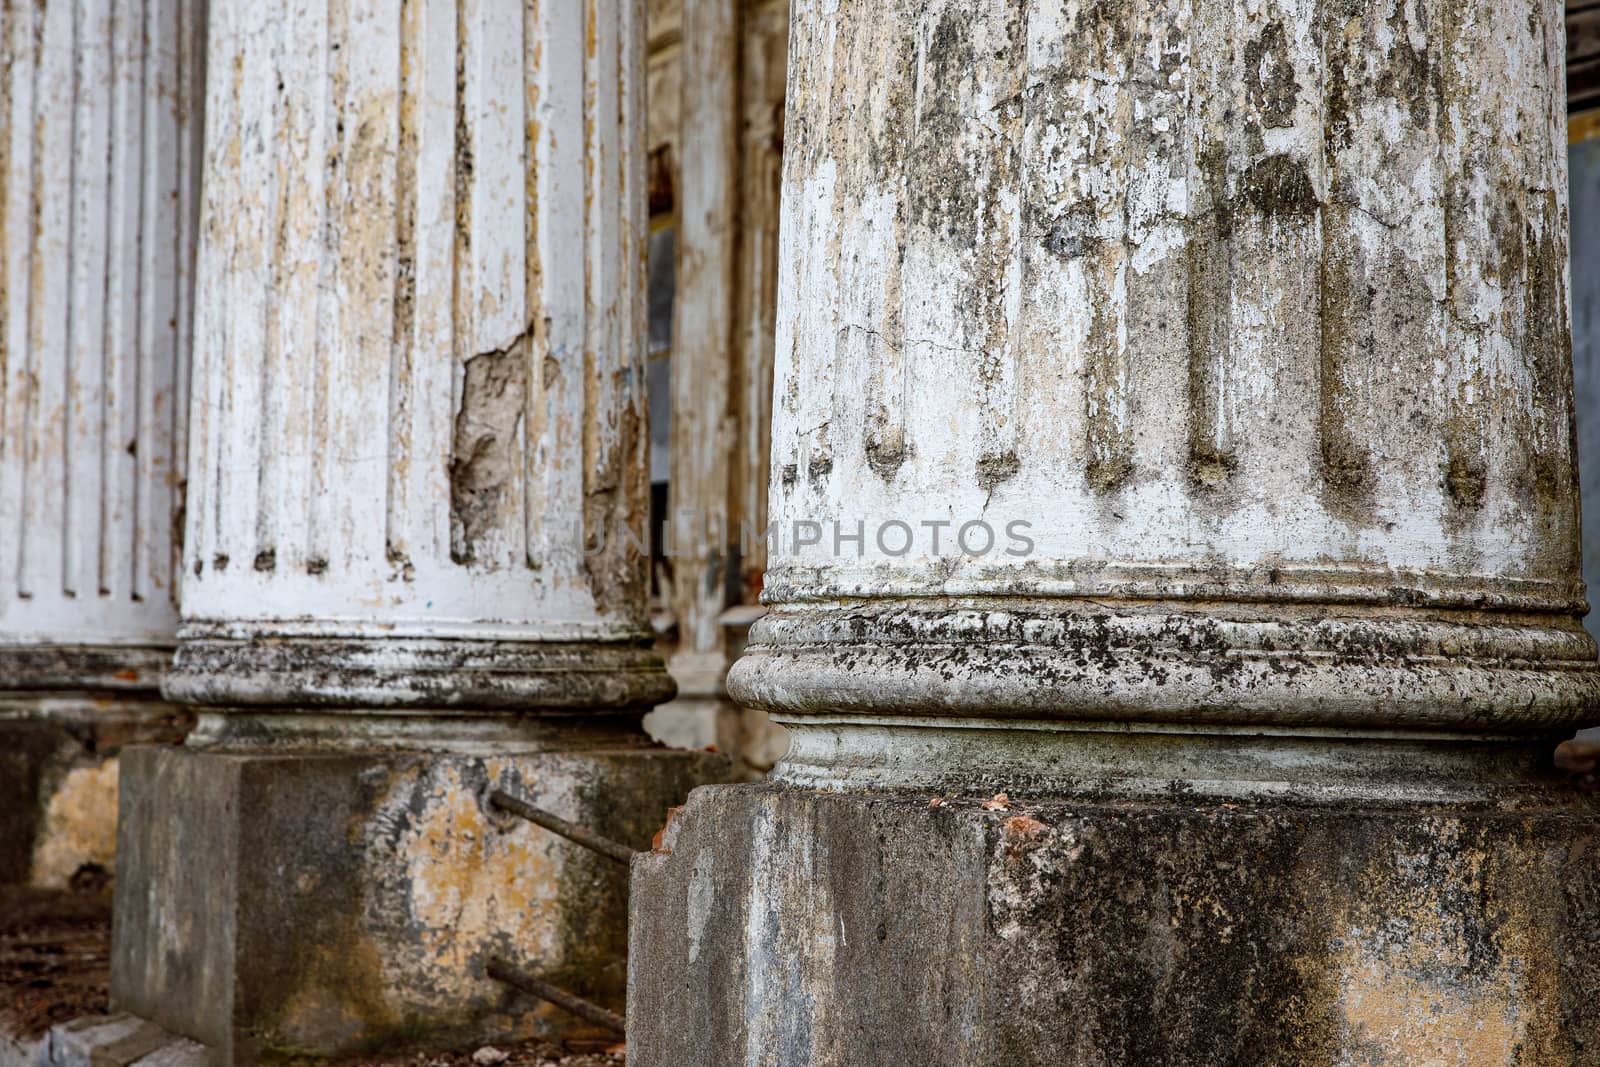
(1172, 432)
(704, 365)
(414, 567)
(728, 113)
(99, 137)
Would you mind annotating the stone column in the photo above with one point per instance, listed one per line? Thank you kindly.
(1224, 350)
(729, 118)
(414, 568)
(99, 178)
(705, 367)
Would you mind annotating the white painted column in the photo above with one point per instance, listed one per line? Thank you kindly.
(705, 367)
(99, 142)
(1229, 346)
(418, 477)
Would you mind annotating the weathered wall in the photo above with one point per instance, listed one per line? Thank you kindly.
(59, 766)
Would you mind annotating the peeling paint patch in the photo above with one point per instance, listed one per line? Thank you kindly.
(487, 449)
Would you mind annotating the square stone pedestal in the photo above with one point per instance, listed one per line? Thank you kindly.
(795, 929)
(274, 903)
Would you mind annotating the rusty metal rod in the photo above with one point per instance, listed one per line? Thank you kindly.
(554, 823)
(501, 971)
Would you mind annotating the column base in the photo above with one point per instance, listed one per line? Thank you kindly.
(800, 928)
(275, 670)
(1100, 761)
(59, 764)
(1523, 665)
(287, 902)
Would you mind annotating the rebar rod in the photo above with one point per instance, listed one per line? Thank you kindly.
(554, 823)
(501, 971)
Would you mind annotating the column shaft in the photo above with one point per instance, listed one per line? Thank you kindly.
(418, 458)
(705, 363)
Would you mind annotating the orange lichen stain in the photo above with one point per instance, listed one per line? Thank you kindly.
(1023, 832)
(80, 825)
(1417, 1022)
(471, 883)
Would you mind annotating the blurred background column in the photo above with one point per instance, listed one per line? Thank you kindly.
(1583, 165)
(99, 160)
(717, 70)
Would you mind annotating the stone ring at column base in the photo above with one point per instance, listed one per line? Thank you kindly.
(1040, 664)
(463, 733)
(403, 672)
(1030, 760)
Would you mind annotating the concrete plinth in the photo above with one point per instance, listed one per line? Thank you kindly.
(271, 902)
(797, 928)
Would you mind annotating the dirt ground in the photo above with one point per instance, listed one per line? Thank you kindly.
(527, 1054)
(55, 950)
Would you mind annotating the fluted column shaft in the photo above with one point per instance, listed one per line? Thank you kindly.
(1241, 336)
(418, 469)
(100, 170)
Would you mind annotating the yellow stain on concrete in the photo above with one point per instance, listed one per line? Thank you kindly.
(1416, 1022)
(471, 883)
(80, 825)
(1418, 984)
